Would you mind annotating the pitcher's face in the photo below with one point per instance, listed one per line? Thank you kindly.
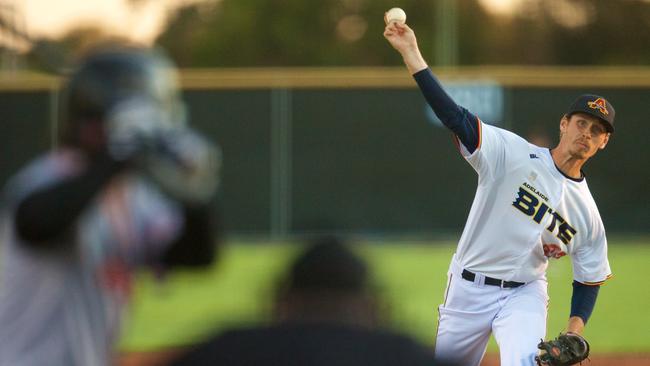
(583, 135)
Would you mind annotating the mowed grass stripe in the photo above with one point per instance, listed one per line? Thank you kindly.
(410, 277)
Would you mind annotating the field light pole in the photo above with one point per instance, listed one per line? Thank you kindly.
(446, 33)
(281, 170)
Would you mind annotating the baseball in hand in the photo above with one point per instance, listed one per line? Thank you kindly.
(395, 15)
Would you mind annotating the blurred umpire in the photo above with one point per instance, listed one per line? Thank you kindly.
(129, 186)
(326, 313)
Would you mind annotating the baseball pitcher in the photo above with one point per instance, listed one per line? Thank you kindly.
(531, 204)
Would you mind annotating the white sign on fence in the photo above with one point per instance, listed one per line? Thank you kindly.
(484, 99)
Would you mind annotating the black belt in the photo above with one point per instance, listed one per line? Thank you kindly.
(492, 281)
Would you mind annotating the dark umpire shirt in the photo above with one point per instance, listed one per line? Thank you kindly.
(308, 345)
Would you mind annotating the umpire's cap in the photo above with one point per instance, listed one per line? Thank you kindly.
(111, 73)
(596, 106)
(328, 264)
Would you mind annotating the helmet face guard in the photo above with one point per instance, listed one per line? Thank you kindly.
(111, 76)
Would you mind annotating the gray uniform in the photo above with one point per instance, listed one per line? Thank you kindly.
(65, 307)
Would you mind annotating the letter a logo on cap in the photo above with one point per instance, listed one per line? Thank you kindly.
(599, 104)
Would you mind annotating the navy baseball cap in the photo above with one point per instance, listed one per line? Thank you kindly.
(596, 106)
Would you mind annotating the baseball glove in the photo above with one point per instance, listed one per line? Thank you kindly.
(185, 165)
(134, 126)
(567, 349)
(181, 162)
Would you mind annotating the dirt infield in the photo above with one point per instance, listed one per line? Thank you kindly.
(160, 358)
(153, 358)
(596, 360)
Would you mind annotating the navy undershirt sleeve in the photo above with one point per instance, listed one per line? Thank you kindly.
(458, 119)
(198, 244)
(583, 300)
(50, 212)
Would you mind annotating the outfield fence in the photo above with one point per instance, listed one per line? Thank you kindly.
(357, 150)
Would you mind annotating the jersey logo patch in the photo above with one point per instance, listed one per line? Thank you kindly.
(553, 251)
(533, 156)
(529, 201)
(599, 104)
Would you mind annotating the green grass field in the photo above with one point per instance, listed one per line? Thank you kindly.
(411, 277)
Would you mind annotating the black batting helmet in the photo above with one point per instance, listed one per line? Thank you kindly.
(109, 75)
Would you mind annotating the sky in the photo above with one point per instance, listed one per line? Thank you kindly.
(502, 6)
(52, 18)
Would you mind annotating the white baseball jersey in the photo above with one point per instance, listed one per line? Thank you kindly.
(63, 307)
(525, 211)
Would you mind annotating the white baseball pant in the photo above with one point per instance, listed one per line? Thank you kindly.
(471, 311)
